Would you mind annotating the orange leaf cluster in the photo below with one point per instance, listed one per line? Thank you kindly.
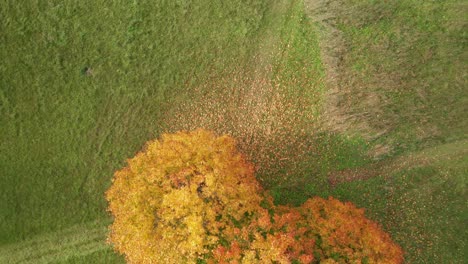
(346, 235)
(191, 197)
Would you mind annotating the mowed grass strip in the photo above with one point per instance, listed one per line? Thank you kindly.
(83, 86)
(102, 256)
(72, 242)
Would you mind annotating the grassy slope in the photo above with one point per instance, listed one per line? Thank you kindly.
(83, 87)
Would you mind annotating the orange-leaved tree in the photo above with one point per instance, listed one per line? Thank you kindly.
(346, 235)
(191, 197)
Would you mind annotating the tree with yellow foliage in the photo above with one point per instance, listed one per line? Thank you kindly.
(191, 197)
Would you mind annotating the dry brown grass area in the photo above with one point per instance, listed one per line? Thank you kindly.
(337, 115)
(353, 104)
(395, 71)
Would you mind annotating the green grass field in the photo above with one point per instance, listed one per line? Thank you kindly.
(84, 84)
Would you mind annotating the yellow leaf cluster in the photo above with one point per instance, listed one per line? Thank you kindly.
(174, 199)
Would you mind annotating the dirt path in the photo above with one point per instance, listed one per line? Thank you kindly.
(387, 167)
(75, 241)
